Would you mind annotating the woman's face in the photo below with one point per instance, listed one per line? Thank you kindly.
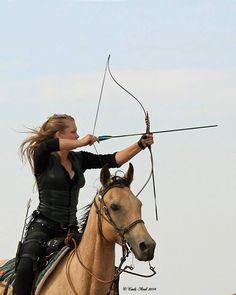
(70, 132)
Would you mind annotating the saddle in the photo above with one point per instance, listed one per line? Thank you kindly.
(55, 251)
(48, 269)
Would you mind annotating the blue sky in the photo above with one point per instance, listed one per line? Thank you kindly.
(178, 57)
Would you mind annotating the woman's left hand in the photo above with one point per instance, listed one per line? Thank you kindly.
(147, 139)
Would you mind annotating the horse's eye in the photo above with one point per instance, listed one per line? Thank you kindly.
(115, 207)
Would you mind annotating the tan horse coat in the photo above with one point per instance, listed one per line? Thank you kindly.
(98, 253)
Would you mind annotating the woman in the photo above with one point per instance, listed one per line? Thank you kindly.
(59, 174)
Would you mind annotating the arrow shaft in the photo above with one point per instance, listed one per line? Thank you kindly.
(105, 137)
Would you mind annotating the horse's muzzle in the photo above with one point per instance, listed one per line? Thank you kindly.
(147, 250)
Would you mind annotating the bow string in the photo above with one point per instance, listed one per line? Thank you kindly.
(147, 122)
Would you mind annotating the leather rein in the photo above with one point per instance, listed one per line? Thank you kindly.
(121, 183)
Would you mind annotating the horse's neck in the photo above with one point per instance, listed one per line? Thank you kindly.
(97, 255)
(96, 250)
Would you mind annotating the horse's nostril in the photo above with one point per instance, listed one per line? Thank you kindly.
(142, 246)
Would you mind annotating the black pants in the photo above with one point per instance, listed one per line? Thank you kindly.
(40, 231)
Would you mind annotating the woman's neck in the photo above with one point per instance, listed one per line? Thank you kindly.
(63, 155)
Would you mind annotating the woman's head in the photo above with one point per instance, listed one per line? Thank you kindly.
(57, 126)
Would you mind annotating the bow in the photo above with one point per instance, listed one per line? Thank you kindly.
(147, 122)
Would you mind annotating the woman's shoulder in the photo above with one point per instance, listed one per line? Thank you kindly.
(45, 148)
(49, 144)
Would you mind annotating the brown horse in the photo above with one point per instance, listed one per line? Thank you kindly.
(114, 217)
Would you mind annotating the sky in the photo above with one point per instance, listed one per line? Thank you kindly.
(178, 58)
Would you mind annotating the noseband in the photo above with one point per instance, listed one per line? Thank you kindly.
(120, 183)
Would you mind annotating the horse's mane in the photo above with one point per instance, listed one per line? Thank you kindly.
(82, 222)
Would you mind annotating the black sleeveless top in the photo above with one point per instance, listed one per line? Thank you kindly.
(58, 193)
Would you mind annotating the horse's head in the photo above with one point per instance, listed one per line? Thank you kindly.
(120, 214)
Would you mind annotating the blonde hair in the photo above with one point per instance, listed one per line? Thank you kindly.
(56, 122)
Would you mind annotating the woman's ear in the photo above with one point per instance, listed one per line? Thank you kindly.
(57, 134)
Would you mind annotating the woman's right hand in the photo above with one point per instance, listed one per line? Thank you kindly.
(88, 139)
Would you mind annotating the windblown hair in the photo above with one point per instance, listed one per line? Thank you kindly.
(56, 122)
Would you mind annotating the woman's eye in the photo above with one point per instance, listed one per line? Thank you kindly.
(115, 207)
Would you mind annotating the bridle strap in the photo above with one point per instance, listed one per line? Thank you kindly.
(121, 231)
(125, 230)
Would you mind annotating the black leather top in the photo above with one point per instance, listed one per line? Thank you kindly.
(58, 193)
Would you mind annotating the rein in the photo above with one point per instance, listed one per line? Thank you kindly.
(75, 251)
(117, 182)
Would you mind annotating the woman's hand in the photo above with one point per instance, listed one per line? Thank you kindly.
(88, 139)
(146, 140)
(128, 153)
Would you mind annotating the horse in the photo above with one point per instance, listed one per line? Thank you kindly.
(114, 218)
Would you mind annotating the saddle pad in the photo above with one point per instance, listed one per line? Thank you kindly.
(45, 273)
(7, 270)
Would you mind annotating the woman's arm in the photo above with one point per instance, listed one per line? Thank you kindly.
(128, 153)
(71, 144)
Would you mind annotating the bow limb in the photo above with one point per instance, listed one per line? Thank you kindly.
(148, 125)
(100, 96)
(147, 121)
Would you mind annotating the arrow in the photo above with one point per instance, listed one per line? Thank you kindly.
(105, 137)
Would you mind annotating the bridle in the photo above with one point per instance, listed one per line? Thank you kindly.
(119, 182)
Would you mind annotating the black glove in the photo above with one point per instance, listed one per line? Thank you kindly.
(140, 142)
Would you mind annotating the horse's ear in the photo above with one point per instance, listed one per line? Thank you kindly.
(105, 175)
(130, 173)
